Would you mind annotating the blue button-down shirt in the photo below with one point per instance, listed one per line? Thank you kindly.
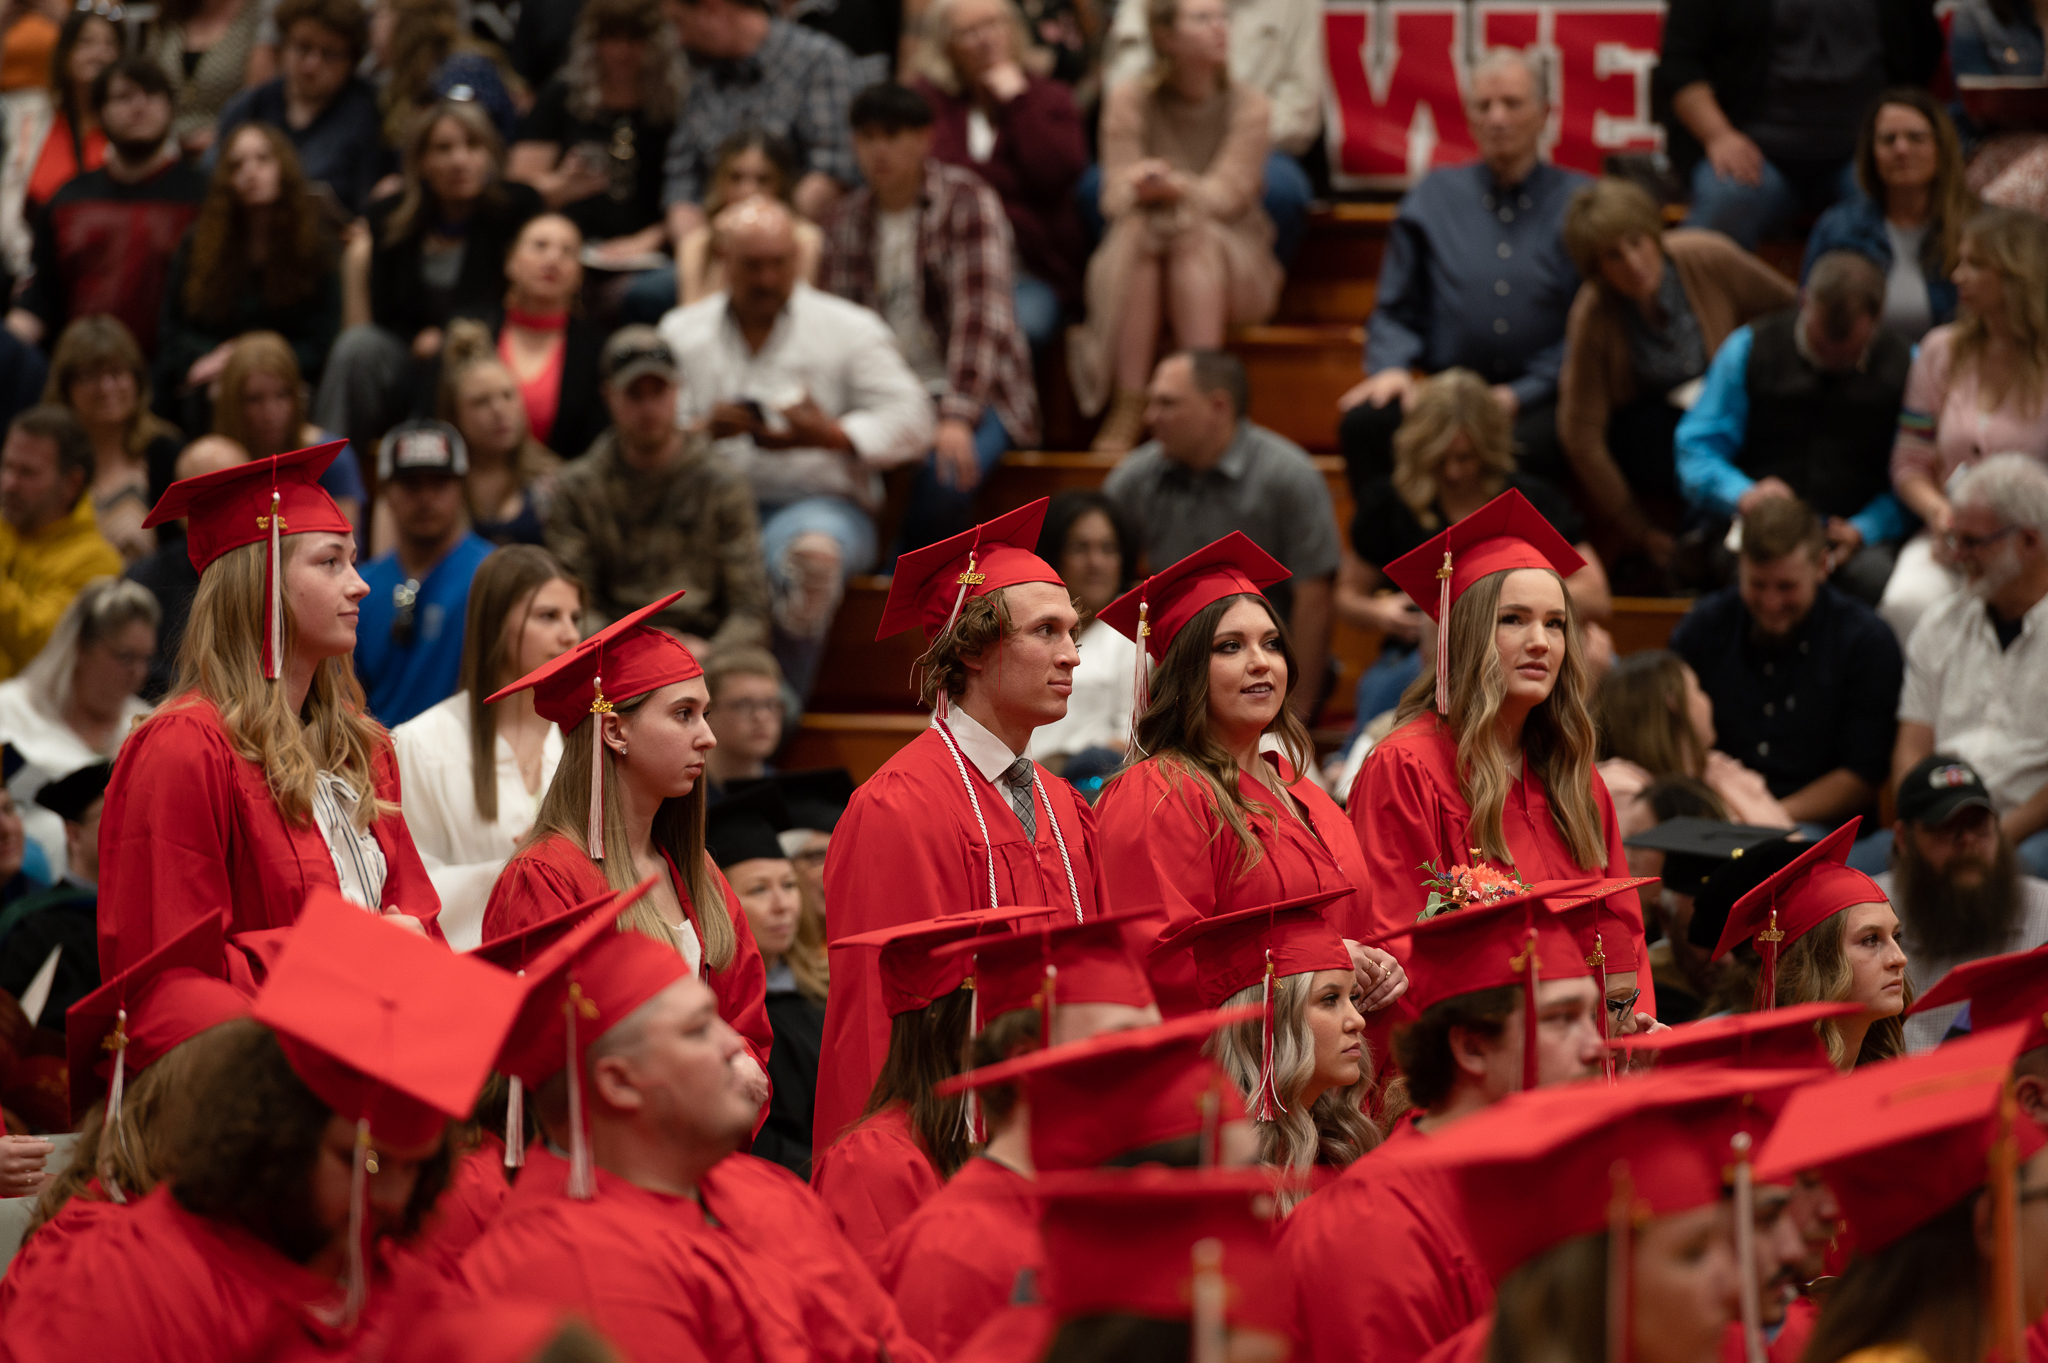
(1476, 275)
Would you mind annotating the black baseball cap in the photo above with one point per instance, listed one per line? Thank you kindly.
(1940, 787)
(423, 447)
(71, 796)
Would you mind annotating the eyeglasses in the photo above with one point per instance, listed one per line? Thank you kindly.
(745, 708)
(1619, 1009)
(406, 598)
(1977, 543)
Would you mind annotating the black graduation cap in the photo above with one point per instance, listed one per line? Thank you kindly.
(1733, 879)
(814, 799)
(72, 796)
(1695, 848)
(11, 761)
(742, 826)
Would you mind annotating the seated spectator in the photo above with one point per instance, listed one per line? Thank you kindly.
(105, 244)
(1804, 678)
(1021, 132)
(1765, 101)
(791, 381)
(1475, 276)
(77, 699)
(168, 574)
(426, 55)
(1207, 471)
(651, 509)
(511, 475)
(62, 920)
(260, 258)
(1452, 456)
(409, 640)
(1655, 723)
(594, 140)
(49, 544)
(473, 773)
(327, 111)
(1655, 307)
(438, 252)
(1092, 545)
(1805, 403)
(746, 713)
(204, 48)
(550, 351)
(748, 163)
(1995, 46)
(1977, 663)
(262, 408)
(928, 247)
(1977, 387)
(1188, 243)
(1907, 213)
(98, 373)
(52, 131)
(1956, 885)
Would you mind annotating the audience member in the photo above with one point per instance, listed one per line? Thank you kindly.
(1976, 675)
(426, 55)
(59, 924)
(1908, 211)
(511, 475)
(409, 637)
(1978, 387)
(259, 258)
(49, 544)
(927, 246)
(540, 41)
(1476, 275)
(808, 399)
(1804, 678)
(168, 574)
(550, 351)
(748, 163)
(1208, 470)
(1656, 722)
(1452, 456)
(262, 408)
(1805, 403)
(105, 243)
(1766, 101)
(473, 773)
(203, 48)
(1021, 132)
(439, 252)
(1094, 548)
(322, 106)
(53, 130)
(651, 509)
(99, 374)
(1188, 243)
(1993, 47)
(1956, 885)
(747, 713)
(1653, 310)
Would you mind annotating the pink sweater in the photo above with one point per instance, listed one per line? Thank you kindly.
(1942, 427)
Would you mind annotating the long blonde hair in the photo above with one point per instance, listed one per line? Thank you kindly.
(808, 960)
(510, 576)
(1815, 969)
(1454, 403)
(221, 661)
(678, 831)
(2015, 244)
(258, 352)
(1334, 1129)
(1558, 740)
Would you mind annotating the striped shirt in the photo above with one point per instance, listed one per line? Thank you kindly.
(358, 861)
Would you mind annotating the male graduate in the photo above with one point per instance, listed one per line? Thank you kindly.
(959, 819)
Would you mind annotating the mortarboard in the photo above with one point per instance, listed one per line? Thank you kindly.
(743, 826)
(931, 584)
(815, 799)
(1794, 901)
(1505, 534)
(1782, 1039)
(70, 797)
(1107, 1095)
(1044, 964)
(1606, 918)
(262, 499)
(912, 977)
(1695, 848)
(626, 658)
(1715, 899)
(1999, 990)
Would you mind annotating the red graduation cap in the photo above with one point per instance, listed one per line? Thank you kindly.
(1794, 901)
(1782, 1039)
(1044, 964)
(264, 499)
(1108, 1095)
(931, 584)
(912, 975)
(626, 658)
(1607, 919)
(1999, 990)
(1505, 534)
(1170, 1244)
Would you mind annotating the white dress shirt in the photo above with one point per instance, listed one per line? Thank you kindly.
(50, 751)
(1986, 705)
(984, 752)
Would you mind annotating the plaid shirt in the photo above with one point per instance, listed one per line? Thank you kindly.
(964, 288)
(798, 85)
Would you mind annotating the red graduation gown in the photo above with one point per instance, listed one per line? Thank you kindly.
(190, 828)
(970, 1251)
(908, 847)
(556, 874)
(1164, 844)
(467, 1206)
(1420, 1284)
(873, 1178)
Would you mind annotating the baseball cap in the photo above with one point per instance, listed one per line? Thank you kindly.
(1938, 788)
(422, 446)
(633, 352)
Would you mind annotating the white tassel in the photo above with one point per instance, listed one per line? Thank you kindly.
(111, 1133)
(1745, 1251)
(582, 1177)
(1141, 680)
(515, 1125)
(273, 658)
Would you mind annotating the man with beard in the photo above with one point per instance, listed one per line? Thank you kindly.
(1804, 677)
(1959, 894)
(1977, 663)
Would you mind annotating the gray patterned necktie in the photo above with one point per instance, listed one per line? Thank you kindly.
(1016, 782)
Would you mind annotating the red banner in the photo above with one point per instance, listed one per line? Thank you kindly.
(1398, 71)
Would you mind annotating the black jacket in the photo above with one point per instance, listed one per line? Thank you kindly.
(399, 302)
(581, 416)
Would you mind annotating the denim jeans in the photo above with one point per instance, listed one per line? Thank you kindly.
(649, 297)
(1750, 213)
(1286, 200)
(839, 520)
(1038, 311)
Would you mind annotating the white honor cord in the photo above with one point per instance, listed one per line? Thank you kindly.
(1073, 893)
(974, 802)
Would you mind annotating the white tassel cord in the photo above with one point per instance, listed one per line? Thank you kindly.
(112, 1136)
(1141, 681)
(1745, 1251)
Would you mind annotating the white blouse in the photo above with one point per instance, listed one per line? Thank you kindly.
(462, 852)
(1099, 710)
(51, 750)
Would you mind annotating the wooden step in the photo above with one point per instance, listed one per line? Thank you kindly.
(1297, 373)
(860, 743)
(1645, 622)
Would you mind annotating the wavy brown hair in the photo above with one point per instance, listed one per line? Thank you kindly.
(228, 260)
(1558, 739)
(94, 345)
(1334, 1130)
(1926, 1289)
(1949, 200)
(663, 75)
(1454, 403)
(505, 581)
(416, 202)
(1815, 969)
(2014, 243)
(258, 352)
(928, 1046)
(1640, 712)
(1553, 1309)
